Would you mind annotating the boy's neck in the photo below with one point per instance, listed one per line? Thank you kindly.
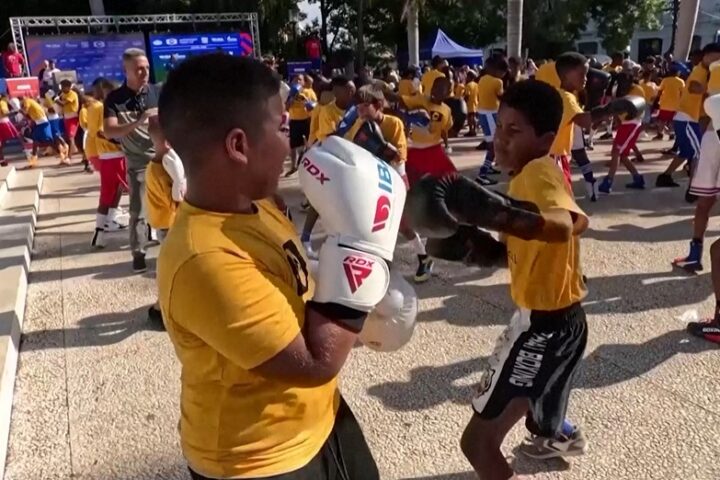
(566, 87)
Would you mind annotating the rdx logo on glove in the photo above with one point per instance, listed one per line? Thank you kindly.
(314, 170)
(383, 206)
(357, 269)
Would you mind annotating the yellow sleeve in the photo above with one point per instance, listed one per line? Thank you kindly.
(83, 118)
(571, 107)
(74, 101)
(326, 124)
(241, 312)
(394, 132)
(314, 124)
(545, 186)
(498, 88)
(414, 101)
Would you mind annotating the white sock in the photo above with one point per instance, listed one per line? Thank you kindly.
(100, 221)
(418, 245)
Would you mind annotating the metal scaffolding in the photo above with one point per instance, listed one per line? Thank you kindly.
(19, 26)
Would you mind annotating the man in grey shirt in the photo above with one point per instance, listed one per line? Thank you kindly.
(126, 112)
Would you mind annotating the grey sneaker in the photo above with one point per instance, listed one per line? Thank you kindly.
(542, 448)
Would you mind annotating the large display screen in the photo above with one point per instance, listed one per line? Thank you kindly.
(91, 56)
(169, 50)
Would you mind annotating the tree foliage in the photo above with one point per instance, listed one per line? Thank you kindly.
(617, 20)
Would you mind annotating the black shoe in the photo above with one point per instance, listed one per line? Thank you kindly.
(139, 265)
(708, 330)
(155, 317)
(3, 163)
(483, 146)
(485, 181)
(690, 197)
(425, 266)
(606, 136)
(665, 180)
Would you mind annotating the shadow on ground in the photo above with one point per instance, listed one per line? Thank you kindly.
(98, 330)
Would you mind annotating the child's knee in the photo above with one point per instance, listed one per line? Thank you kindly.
(715, 250)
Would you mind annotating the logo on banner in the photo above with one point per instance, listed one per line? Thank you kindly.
(99, 44)
(357, 269)
(171, 41)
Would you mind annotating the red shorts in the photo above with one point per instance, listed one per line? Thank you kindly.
(626, 137)
(563, 163)
(7, 131)
(71, 127)
(95, 162)
(431, 160)
(665, 115)
(113, 174)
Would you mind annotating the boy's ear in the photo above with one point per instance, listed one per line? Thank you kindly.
(547, 140)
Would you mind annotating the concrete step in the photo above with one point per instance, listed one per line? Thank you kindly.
(18, 214)
(7, 180)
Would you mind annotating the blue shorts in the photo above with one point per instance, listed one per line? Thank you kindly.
(57, 127)
(687, 137)
(42, 133)
(488, 121)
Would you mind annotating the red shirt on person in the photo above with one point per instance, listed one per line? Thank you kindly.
(12, 61)
(312, 48)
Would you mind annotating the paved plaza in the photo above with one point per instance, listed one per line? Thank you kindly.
(97, 390)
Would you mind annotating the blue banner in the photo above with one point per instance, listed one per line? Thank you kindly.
(91, 56)
(169, 50)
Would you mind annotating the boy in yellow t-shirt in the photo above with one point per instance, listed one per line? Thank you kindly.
(164, 182)
(70, 102)
(408, 84)
(236, 293)
(534, 361)
(7, 129)
(669, 93)
(301, 101)
(471, 99)
(42, 135)
(488, 93)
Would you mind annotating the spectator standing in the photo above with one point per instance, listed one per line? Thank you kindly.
(13, 62)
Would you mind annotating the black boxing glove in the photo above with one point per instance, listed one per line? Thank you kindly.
(469, 245)
(370, 137)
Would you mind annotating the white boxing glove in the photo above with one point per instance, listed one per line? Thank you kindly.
(174, 168)
(712, 108)
(391, 324)
(360, 199)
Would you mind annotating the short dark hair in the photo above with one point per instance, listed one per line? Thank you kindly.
(339, 81)
(65, 83)
(234, 91)
(436, 60)
(711, 48)
(569, 61)
(538, 101)
(497, 61)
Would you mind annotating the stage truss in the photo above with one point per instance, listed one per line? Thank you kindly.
(20, 26)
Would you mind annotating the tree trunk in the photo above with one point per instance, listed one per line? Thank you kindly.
(323, 27)
(97, 7)
(687, 16)
(361, 35)
(514, 28)
(413, 33)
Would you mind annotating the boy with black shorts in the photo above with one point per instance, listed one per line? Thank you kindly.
(531, 370)
(300, 104)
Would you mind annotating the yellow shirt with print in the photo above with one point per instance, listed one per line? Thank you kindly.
(488, 94)
(34, 110)
(671, 89)
(548, 74)
(562, 145)
(161, 207)
(232, 290)
(691, 103)
(327, 120)
(428, 79)
(545, 276)
(393, 131)
(471, 96)
(713, 86)
(71, 104)
(96, 144)
(406, 87)
(297, 109)
(440, 121)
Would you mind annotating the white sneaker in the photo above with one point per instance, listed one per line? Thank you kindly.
(119, 216)
(98, 240)
(311, 254)
(114, 226)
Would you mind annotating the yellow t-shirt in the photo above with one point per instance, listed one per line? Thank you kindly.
(545, 276)
(548, 74)
(691, 103)
(4, 108)
(471, 96)
(636, 91)
(232, 290)
(489, 90)
(459, 90)
(406, 87)
(562, 145)
(428, 79)
(97, 145)
(72, 104)
(713, 86)
(34, 110)
(83, 118)
(670, 90)
(650, 90)
(161, 207)
(392, 129)
(297, 109)
(327, 120)
(440, 121)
